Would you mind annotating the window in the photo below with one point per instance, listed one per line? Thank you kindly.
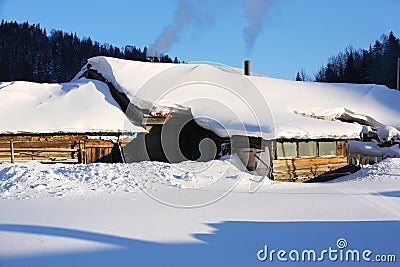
(327, 149)
(286, 150)
(308, 149)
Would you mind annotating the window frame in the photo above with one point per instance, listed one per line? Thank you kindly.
(296, 149)
(312, 156)
(297, 146)
(328, 156)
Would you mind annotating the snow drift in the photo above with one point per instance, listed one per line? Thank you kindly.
(33, 179)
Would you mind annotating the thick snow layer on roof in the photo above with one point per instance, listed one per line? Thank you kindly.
(225, 101)
(388, 133)
(83, 106)
(372, 149)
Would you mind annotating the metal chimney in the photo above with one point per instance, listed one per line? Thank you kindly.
(247, 67)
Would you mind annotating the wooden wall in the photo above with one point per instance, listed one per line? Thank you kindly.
(57, 149)
(102, 151)
(308, 168)
(305, 169)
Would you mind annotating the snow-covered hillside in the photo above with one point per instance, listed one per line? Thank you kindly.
(227, 102)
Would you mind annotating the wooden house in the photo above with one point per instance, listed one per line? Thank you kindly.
(282, 159)
(61, 123)
(292, 160)
(165, 131)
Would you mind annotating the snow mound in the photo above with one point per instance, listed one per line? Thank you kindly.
(386, 170)
(34, 180)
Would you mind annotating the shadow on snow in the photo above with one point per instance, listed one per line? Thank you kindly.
(232, 244)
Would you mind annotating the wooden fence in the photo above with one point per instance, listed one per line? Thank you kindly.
(359, 159)
(59, 149)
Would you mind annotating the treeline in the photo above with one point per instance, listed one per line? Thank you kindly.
(378, 64)
(28, 53)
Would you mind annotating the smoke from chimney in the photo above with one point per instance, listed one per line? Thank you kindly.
(254, 11)
(202, 12)
(185, 13)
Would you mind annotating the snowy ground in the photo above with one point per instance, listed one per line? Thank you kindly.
(189, 214)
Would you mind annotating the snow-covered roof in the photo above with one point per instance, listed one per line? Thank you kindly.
(225, 101)
(83, 106)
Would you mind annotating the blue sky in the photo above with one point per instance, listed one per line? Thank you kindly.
(295, 34)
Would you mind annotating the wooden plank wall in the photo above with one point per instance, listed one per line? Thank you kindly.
(58, 149)
(306, 169)
(101, 151)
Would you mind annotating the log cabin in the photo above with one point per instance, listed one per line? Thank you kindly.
(61, 123)
(295, 160)
(281, 158)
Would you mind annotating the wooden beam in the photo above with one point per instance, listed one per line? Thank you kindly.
(48, 161)
(81, 154)
(12, 151)
(121, 153)
(153, 121)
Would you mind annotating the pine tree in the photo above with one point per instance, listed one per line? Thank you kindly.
(298, 78)
(391, 51)
(350, 71)
(376, 65)
(366, 66)
(27, 53)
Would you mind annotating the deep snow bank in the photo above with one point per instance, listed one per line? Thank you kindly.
(33, 179)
